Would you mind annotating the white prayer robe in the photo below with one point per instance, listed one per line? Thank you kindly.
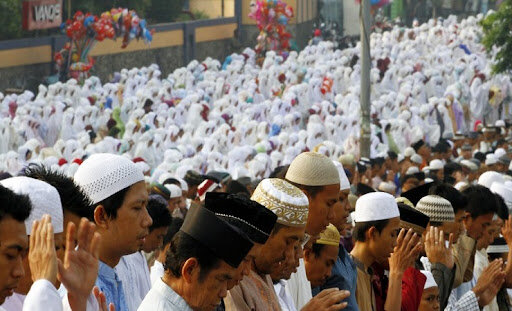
(162, 297)
(299, 286)
(285, 299)
(134, 274)
(42, 296)
(14, 302)
(157, 271)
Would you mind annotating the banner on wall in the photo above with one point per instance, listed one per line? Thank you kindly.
(41, 14)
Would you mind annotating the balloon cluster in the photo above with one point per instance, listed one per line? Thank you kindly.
(85, 30)
(271, 17)
(377, 3)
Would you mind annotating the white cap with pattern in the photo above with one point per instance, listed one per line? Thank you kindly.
(437, 208)
(313, 169)
(44, 198)
(376, 206)
(103, 175)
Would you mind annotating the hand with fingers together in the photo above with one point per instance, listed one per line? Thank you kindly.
(436, 249)
(80, 268)
(42, 257)
(328, 300)
(406, 251)
(489, 282)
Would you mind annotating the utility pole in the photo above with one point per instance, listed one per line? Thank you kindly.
(366, 131)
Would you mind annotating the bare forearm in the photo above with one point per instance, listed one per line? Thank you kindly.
(394, 297)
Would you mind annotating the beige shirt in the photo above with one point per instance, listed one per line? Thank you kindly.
(365, 296)
(464, 256)
(254, 293)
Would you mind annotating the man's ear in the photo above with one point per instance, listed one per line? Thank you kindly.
(190, 270)
(467, 219)
(100, 217)
(307, 254)
(370, 233)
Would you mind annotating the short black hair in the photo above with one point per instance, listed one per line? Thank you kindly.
(360, 228)
(457, 199)
(392, 155)
(159, 213)
(183, 247)
(502, 209)
(317, 249)
(279, 172)
(311, 190)
(73, 199)
(235, 187)
(481, 201)
(114, 202)
(15, 205)
(176, 223)
(451, 168)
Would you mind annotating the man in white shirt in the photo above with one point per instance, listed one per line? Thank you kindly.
(133, 269)
(203, 257)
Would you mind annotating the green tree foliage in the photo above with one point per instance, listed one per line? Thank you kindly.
(10, 19)
(497, 29)
(164, 11)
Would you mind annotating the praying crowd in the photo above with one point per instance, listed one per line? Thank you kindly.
(235, 186)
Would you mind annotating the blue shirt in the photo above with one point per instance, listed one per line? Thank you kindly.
(110, 284)
(343, 276)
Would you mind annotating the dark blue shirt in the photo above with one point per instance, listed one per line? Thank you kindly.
(343, 276)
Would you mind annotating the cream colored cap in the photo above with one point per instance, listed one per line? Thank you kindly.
(330, 236)
(313, 169)
(288, 202)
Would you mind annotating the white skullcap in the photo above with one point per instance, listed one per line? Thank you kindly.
(490, 159)
(388, 187)
(400, 158)
(469, 164)
(409, 152)
(312, 169)
(344, 183)
(430, 282)
(183, 184)
(412, 170)
(504, 191)
(416, 158)
(175, 191)
(44, 198)
(490, 177)
(435, 165)
(103, 175)
(460, 185)
(499, 123)
(499, 153)
(375, 206)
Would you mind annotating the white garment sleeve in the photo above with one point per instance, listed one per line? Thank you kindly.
(92, 304)
(42, 296)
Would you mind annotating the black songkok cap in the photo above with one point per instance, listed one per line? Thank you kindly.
(415, 194)
(411, 218)
(224, 240)
(252, 218)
